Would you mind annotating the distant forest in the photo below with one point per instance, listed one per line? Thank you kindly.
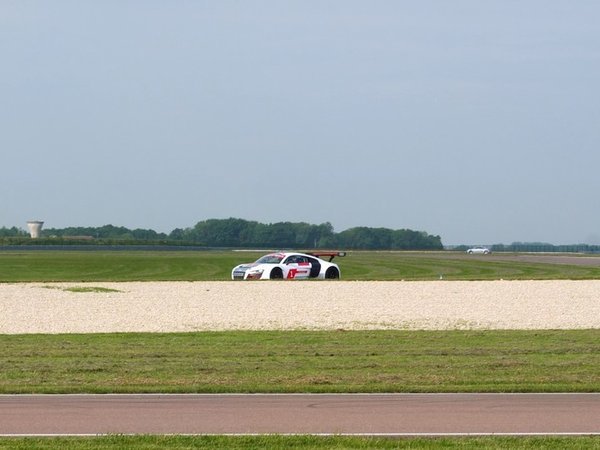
(238, 233)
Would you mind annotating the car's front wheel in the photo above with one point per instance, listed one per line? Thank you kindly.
(332, 274)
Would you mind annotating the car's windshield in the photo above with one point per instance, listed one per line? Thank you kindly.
(274, 258)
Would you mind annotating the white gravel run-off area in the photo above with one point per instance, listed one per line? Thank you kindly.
(196, 306)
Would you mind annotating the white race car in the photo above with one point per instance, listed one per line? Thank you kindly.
(289, 266)
(479, 251)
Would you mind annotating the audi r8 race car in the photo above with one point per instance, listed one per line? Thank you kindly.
(289, 266)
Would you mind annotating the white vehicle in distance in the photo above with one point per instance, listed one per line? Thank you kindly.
(479, 251)
(290, 266)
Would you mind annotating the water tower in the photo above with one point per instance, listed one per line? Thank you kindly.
(35, 226)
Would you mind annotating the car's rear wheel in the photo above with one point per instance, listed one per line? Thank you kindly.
(332, 274)
(276, 274)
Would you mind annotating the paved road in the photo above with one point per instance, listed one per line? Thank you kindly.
(542, 258)
(298, 413)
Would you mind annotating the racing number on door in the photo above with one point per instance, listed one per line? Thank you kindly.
(292, 274)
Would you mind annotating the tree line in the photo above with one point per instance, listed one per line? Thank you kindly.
(242, 233)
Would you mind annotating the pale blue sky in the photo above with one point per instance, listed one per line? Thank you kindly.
(475, 120)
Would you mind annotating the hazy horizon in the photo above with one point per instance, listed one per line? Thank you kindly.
(446, 244)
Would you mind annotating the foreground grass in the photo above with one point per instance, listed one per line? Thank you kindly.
(39, 266)
(304, 361)
(298, 442)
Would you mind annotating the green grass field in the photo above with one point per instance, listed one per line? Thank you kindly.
(216, 265)
(303, 361)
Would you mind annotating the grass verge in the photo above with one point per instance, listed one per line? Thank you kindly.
(298, 442)
(303, 361)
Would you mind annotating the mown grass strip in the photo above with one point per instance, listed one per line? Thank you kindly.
(41, 266)
(298, 442)
(303, 361)
(90, 289)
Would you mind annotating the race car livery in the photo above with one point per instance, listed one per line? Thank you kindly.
(289, 266)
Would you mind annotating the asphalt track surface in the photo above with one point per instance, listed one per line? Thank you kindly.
(540, 258)
(352, 414)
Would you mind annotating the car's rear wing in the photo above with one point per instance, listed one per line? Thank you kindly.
(331, 255)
